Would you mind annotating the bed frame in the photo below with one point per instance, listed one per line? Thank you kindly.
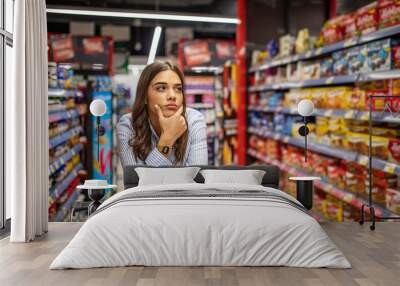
(270, 179)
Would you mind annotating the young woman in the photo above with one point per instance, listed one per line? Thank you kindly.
(161, 131)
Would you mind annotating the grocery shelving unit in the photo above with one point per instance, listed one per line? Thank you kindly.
(201, 89)
(385, 116)
(66, 141)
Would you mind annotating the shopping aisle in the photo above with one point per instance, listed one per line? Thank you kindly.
(353, 59)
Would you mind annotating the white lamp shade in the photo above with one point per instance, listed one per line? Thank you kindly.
(305, 107)
(98, 107)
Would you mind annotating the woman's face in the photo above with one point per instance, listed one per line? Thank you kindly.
(166, 91)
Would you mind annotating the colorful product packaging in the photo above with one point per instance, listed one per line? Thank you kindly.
(332, 31)
(389, 13)
(393, 200)
(367, 18)
(357, 60)
(340, 65)
(349, 26)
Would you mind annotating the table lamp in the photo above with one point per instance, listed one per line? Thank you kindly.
(305, 109)
(98, 108)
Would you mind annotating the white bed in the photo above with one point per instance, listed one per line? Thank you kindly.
(249, 226)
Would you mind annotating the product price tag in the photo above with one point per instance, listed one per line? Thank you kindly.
(318, 51)
(329, 80)
(286, 139)
(276, 136)
(349, 43)
(349, 114)
(390, 168)
(348, 198)
(364, 116)
(308, 54)
(328, 113)
(363, 160)
(295, 58)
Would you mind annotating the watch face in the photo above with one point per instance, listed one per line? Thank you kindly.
(165, 150)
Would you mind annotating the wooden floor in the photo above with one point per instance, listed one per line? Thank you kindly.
(375, 257)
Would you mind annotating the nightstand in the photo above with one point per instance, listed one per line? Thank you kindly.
(304, 190)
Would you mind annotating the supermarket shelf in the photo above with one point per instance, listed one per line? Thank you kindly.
(329, 151)
(201, 105)
(64, 158)
(58, 190)
(64, 209)
(343, 195)
(64, 115)
(380, 34)
(378, 116)
(341, 79)
(57, 140)
(55, 92)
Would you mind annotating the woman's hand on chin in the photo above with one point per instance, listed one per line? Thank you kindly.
(172, 127)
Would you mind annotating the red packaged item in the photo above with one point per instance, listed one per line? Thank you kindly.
(332, 31)
(349, 26)
(389, 13)
(367, 19)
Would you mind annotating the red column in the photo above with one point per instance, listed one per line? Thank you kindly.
(241, 80)
(332, 8)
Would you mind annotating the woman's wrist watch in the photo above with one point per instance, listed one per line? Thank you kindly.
(164, 149)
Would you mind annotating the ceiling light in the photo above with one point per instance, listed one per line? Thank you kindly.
(140, 15)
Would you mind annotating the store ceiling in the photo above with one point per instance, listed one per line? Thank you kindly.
(221, 7)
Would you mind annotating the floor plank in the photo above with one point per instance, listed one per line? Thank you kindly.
(375, 257)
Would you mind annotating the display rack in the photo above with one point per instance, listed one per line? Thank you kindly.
(380, 34)
(273, 82)
(66, 112)
(230, 109)
(201, 94)
(323, 185)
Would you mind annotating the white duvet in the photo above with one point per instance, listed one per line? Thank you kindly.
(203, 231)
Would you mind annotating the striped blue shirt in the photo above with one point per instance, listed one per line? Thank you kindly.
(196, 150)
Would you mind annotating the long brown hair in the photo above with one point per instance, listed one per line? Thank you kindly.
(141, 140)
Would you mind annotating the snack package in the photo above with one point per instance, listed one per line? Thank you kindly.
(393, 200)
(394, 150)
(272, 48)
(340, 62)
(349, 26)
(357, 60)
(379, 55)
(326, 67)
(309, 70)
(367, 18)
(395, 55)
(302, 41)
(332, 31)
(389, 13)
(286, 45)
(292, 72)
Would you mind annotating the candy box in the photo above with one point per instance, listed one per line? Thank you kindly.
(340, 62)
(332, 31)
(286, 45)
(393, 200)
(357, 60)
(349, 26)
(379, 55)
(367, 18)
(394, 150)
(326, 67)
(389, 13)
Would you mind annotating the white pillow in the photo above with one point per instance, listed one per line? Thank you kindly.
(249, 177)
(166, 176)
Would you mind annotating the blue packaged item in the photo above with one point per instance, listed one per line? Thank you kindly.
(272, 48)
(340, 62)
(379, 56)
(275, 99)
(357, 59)
(326, 67)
